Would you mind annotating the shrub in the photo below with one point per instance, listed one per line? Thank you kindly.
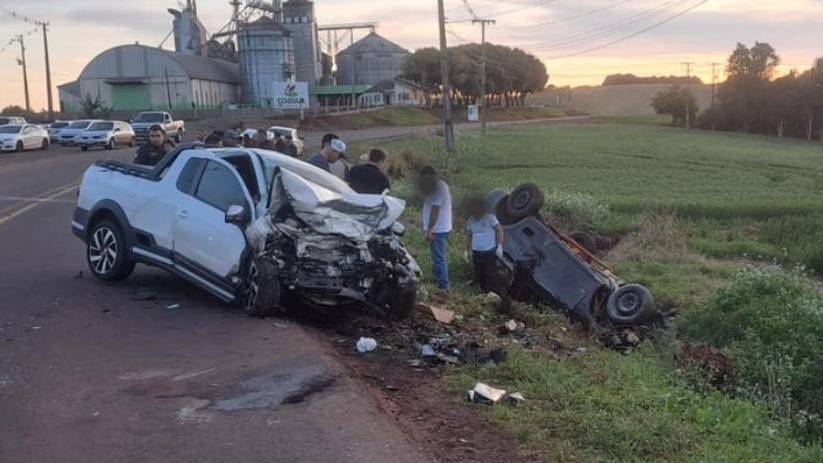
(771, 322)
(581, 210)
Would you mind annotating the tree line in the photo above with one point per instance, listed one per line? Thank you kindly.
(625, 79)
(512, 74)
(754, 100)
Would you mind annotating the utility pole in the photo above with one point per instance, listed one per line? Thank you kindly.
(448, 129)
(353, 68)
(688, 99)
(45, 27)
(483, 23)
(22, 62)
(715, 79)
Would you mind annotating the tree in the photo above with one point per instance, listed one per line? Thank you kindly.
(14, 110)
(674, 102)
(758, 61)
(94, 107)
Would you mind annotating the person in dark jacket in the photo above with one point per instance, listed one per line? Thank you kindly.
(280, 145)
(291, 148)
(155, 149)
(369, 177)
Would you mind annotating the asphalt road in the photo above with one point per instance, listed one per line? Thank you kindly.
(96, 373)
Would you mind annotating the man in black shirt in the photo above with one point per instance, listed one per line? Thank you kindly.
(369, 177)
(156, 149)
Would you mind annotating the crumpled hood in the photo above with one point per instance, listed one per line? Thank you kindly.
(356, 216)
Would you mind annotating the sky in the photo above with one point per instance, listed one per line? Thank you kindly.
(581, 41)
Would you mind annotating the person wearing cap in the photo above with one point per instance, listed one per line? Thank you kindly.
(231, 139)
(330, 151)
(368, 177)
(339, 168)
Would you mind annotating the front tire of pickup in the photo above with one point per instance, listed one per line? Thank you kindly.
(261, 291)
(106, 252)
(630, 305)
(179, 137)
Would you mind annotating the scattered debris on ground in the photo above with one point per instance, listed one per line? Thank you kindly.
(366, 345)
(485, 394)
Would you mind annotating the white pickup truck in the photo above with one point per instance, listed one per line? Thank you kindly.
(146, 120)
(248, 226)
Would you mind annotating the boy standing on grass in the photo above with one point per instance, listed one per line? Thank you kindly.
(437, 222)
(485, 245)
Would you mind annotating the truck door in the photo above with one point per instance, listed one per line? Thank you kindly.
(201, 237)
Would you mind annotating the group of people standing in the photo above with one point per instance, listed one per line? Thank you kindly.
(485, 237)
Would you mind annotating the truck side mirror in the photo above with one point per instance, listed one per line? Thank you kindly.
(237, 215)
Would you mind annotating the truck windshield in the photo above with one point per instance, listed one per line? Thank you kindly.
(79, 125)
(11, 129)
(4, 120)
(101, 126)
(149, 117)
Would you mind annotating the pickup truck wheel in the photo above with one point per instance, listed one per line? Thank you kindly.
(84, 148)
(524, 201)
(261, 293)
(131, 142)
(111, 144)
(18, 147)
(179, 137)
(630, 304)
(106, 252)
(45, 144)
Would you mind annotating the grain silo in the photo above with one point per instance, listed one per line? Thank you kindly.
(370, 60)
(266, 51)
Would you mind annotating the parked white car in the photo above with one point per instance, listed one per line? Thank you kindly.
(282, 132)
(106, 134)
(55, 128)
(23, 137)
(12, 120)
(69, 134)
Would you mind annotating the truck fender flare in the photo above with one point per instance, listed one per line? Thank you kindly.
(109, 207)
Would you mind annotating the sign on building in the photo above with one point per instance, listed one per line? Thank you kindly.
(291, 95)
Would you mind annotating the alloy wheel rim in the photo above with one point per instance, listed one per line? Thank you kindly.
(103, 250)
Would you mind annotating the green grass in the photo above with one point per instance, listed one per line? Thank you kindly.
(689, 209)
(390, 117)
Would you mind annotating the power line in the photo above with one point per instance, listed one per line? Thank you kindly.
(19, 16)
(634, 34)
(511, 10)
(582, 15)
(602, 32)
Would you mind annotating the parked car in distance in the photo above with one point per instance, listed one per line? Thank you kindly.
(69, 134)
(106, 134)
(249, 226)
(145, 120)
(23, 137)
(55, 128)
(282, 132)
(12, 120)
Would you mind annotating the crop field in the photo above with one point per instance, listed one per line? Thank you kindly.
(687, 211)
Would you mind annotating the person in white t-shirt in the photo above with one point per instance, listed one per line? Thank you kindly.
(437, 221)
(485, 245)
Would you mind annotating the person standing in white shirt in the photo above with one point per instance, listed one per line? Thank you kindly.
(437, 221)
(485, 246)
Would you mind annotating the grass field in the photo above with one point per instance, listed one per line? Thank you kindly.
(688, 209)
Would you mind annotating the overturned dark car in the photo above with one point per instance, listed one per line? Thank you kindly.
(549, 266)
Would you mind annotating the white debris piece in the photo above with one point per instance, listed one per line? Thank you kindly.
(483, 393)
(366, 345)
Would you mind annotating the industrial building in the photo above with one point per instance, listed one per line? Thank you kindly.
(370, 60)
(266, 42)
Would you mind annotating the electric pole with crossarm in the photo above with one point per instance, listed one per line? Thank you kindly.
(448, 128)
(483, 23)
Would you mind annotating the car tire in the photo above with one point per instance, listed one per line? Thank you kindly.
(111, 144)
(106, 253)
(179, 137)
(84, 148)
(630, 305)
(132, 142)
(44, 145)
(18, 148)
(261, 290)
(585, 240)
(526, 200)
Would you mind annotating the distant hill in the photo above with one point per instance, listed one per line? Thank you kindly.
(628, 79)
(614, 100)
